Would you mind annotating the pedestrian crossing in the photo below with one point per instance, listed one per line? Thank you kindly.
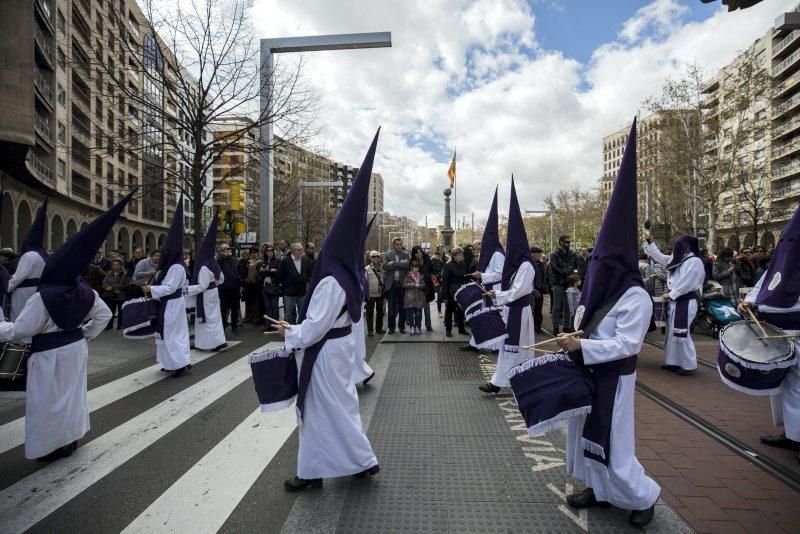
(198, 501)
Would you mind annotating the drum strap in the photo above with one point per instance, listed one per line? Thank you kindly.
(784, 321)
(514, 322)
(598, 316)
(307, 366)
(200, 309)
(54, 340)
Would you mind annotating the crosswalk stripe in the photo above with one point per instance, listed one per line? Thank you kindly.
(203, 498)
(33, 498)
(12, 434)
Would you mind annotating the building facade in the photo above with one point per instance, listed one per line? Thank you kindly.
(68, 133)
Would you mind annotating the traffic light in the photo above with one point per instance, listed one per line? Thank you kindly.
(228, 224)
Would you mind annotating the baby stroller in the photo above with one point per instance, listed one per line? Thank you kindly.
(716, 310)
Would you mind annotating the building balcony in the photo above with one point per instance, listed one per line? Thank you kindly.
(46, 12)
(786, 128)
(784, 107)
(783, 171)
(790, 61)
(44, 130)
(43, 87)
(81, 186)
(710, 100)
(784, 87)
(783, 44)
(786, 149)
(81, 158)
(44, 45)
(786, 192)
(41, 170)
(81, 95)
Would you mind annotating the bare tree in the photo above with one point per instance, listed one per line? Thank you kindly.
(198, 63)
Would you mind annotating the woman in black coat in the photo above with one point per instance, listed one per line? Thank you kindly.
(454, 275)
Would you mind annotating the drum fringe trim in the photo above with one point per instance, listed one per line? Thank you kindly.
(592, 447)
(467, 317)
(127, 333)
(269, 355)
(278, 406)
(559, 421)
(748, 391)
(489, 344)
(535, 362)
(134, 301)
(783, 364)
(511, 348)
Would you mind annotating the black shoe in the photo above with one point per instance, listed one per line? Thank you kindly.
(374, 470)
(641, 518)
(380, 332)
(391, 331)
(670, 367)
(215, 349)
(685, 372)
(449, 333)
(585, 499)
(781, 441)
(366, 380)
(429, 329)
(463, 332)
(299, 484)
(488, 387)
(178, 372)
(469, 348)
(402, 330)
(61, 452)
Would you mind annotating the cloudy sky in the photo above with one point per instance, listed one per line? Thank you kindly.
(523, 86)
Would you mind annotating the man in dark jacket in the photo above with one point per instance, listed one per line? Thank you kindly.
(229, 290)
(540, 287)
(294, 274)
(396, 264)
(563, 262)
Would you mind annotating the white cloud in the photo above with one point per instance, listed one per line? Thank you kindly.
(470, 74)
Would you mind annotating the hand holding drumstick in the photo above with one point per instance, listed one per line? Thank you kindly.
(282, 325)
(565, 341)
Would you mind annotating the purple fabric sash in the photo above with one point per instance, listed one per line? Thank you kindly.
(54, 340)
(597, 429)
(514, 322)
(309, 359)
(162, 310)
(784, 321)
(199, 307)
(680, 326)
(28, 282)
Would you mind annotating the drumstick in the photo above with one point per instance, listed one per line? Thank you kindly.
(755, 320)
(546, 341)
(284, 324)
(787, 336)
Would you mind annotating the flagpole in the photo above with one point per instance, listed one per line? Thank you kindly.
(455, 198)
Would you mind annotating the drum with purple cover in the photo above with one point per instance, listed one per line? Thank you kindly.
(550, 390)
(748, 363)
(14, 366)
(487, 326)
(660, 312)
(469, 296)
(137, 318)
(275, 378)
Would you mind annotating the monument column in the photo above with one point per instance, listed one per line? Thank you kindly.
(447, 231)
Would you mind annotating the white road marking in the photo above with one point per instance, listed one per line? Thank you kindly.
(12, 434)
(35, 497)
(203, 498)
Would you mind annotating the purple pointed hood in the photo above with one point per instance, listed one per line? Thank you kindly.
(206, 256)
(172, 253)
(517, 249)
(34, 240)
(490, 243)
(4, 276)
(780, 286)
(681, 250)
(65, 294)
(342, 256)
(614, 267)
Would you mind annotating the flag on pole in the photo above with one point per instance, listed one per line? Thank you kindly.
(451, 172)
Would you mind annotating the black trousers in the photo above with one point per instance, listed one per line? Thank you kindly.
(560, 309)
(375, 310)
(537, 313)
(229, 302)
(451, 309)
(115, 305)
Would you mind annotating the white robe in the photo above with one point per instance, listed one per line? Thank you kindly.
(688, 276)
(332, 438)
(521, 285)
(56, 409)
(362, 370)
(173, 351)
(619, 335)
(493, 274)
(209, 334)
(786, 404)
(30, 265)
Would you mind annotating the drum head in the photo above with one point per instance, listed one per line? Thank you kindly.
(741, 338)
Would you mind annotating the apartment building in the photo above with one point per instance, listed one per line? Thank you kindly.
(66, 129)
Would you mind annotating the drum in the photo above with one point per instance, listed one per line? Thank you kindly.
(275, 378)
(487, 326)
(752, 365)
(660, 312)
(469, 295)
(550, 391)
(14, 366)
(137, 318)
(191, 303)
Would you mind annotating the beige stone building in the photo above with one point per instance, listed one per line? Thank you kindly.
(62, 126)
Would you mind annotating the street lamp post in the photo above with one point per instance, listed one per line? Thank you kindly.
(270, 47)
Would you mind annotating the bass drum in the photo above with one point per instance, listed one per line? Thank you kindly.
(14, 366)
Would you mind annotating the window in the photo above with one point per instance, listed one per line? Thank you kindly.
(62, 95)
(61, 168)
(760, 56)
(61, 23)
(759, 154)
(62, 132)
(62, 59)
(761, 114)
